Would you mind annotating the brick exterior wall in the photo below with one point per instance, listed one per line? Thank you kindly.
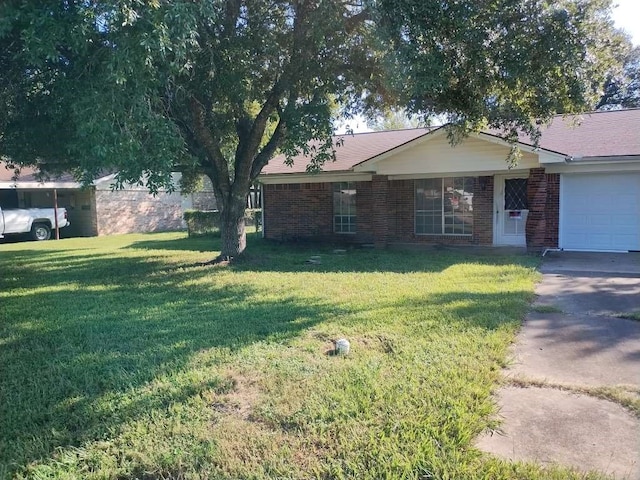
(536, 228)
(483, 211)
(380, 216)
(543, 221)
(304, 211)
(385, 213)
(552, 211)
(401, 220)
(133, 210)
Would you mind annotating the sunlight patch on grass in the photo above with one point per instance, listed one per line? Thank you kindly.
(141, 363)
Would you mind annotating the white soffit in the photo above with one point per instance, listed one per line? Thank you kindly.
(275, 179)
(39, 185)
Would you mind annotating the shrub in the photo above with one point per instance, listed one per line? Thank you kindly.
(201, 222)
(253, 218)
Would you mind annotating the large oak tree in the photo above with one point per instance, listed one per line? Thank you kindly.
(217, 87)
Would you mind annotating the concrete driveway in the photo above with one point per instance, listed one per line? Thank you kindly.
(574, 349)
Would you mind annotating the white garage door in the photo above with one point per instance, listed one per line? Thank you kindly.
(600, 212)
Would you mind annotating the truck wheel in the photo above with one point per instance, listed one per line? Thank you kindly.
(40, 231)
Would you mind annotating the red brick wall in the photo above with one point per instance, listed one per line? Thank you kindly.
(552, 210)
(379, 215)
(135, 210)
(402, 222)
(305, 211)
(483, 211)
(400, 210)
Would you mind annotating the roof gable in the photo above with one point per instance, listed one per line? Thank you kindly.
(350, 150)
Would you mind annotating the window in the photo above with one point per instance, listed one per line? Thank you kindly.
(344, 207)
(444, 206)
(515, 194)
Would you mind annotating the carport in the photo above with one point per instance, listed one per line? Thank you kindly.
(29, 191)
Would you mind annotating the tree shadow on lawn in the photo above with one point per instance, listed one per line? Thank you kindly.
(198, 243)
(66, 351)
(268, 256)
(111, 327)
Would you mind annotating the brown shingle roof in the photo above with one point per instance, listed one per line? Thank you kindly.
(30, 174)
(354, 149)
(597, 134)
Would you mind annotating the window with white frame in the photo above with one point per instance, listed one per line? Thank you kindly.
(444, 206)
(344, 207)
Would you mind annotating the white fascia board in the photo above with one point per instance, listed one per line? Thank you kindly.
(544, 156)
(594, 167)
(39, 185)
(105, 179)
(548, 158)
(484, 173)
(328, 177)
(369, 165)
(607, 159)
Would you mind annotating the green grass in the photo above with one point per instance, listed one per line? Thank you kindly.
(630, 315)
(122, 358)
(540, 308)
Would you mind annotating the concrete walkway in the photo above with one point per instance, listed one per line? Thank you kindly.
(572, 344)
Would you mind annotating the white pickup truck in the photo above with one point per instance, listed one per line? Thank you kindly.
(38, 222)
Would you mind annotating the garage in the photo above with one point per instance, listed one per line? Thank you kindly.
(600, 212)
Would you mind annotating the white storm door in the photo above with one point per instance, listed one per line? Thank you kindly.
(510, 210)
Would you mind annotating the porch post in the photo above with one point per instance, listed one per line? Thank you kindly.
(380, 217)
(55, 213)
(536, 227)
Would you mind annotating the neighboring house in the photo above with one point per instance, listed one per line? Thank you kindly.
(99, 210)
(579, 190)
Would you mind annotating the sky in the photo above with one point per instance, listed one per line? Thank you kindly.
(627, 16)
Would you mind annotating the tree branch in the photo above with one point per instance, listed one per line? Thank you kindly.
(211, 146)
(269, 149)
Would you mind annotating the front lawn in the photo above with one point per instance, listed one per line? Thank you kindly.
(123, 358)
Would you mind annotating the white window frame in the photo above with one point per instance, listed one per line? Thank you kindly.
(345, 209)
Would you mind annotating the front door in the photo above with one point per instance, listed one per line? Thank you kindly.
(511, 210)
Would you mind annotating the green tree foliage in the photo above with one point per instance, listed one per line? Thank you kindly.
(503, 64)
(622, 88)
(393, 119)
(217, 87)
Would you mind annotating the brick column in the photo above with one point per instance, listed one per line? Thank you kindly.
(553, 210)
(536, 228)
(380, 217)
(483, 211)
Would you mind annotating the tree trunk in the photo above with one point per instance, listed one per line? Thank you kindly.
(232, 229)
